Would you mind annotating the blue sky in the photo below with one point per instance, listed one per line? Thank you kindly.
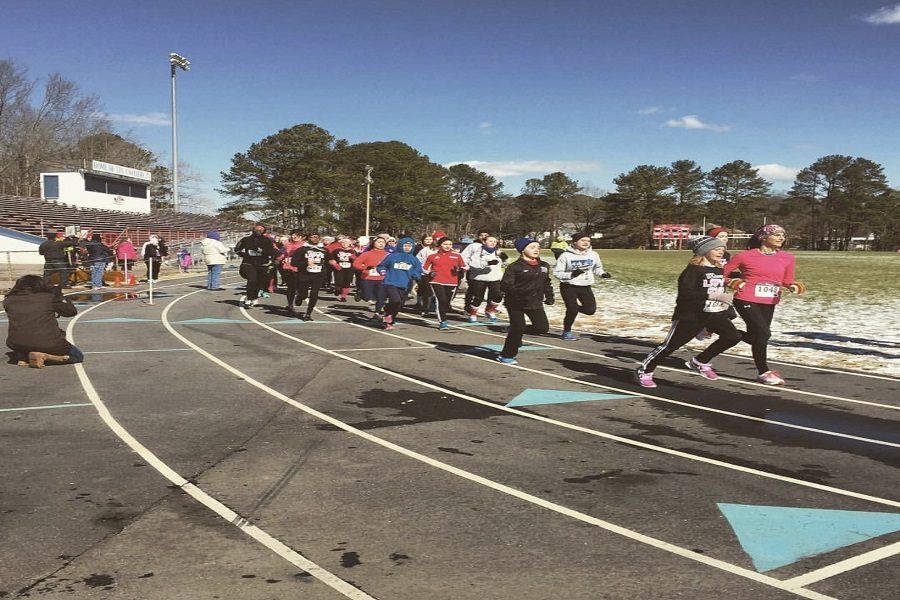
(518, 89)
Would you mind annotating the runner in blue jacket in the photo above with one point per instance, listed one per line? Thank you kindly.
(400, 269)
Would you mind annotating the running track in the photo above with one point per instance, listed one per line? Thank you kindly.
(206, 451)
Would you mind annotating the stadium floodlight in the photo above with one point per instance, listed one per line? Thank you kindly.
(369, 181)
(177, 62)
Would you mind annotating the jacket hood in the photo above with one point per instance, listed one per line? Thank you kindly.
(406, 240)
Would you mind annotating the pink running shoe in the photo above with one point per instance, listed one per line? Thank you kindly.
(705, 369)
(770, 378)
(644, 379)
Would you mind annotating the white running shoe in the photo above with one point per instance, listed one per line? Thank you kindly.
(770, 378)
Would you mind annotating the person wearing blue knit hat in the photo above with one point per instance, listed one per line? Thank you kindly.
(400, 268)
(526, 288)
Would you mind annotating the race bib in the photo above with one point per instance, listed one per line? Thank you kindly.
(344, 265)
(314, 268)
(767, 290)
(402, 266)
(254, 252)
(714, 306)
(373, 272)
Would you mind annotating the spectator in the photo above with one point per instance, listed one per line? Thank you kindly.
(95, 260)
(215, 255)
(126, 254)
(34, 336)
(55, 260)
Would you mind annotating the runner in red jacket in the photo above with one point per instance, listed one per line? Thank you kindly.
(444, 268)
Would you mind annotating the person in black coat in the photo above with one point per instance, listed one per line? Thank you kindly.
(256, 252)
(34, 336)
(56, 262)
(526, 288)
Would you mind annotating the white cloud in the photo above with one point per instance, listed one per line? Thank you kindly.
(650, 110)
(886, 15)
(693, 122)
(151, 119)
(486, 127)
(776, 172)
(513, 168)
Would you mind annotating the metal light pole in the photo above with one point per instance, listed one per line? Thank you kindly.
(177, 62)
(368, 180)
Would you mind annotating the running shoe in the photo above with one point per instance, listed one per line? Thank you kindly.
(307, 317)
(444, 326)
(507, 361)
(243, 300)
(388, 326)
(644, 379)
(253, 303)
(492, 316)
(705, 369)
(264, 295)
(770, 378)
(568, 336)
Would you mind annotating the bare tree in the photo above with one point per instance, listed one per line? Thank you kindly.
(34, 137)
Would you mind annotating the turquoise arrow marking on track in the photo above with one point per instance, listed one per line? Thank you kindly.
(122, 320)
(499, 347)
(210, 321)
(775, 536)
(532, 397)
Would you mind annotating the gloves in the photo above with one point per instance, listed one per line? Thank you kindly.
(382, 271)
(721, 297)
(493, 261)
(577, 272)
(336, 267)
(455, 270)
(549, 300)
(798, 287)
(605, 275)
(426, 277)
(503, 256)
(736, 284)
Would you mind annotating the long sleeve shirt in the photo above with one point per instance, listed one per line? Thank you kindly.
(764, 274)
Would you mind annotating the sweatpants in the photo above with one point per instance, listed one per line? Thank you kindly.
(443, 294)
(373, 289)
(256, 276)
(308, 286)
(478, 289)
(395, 299)
(681, 332)
(517, 328)
(578, 299)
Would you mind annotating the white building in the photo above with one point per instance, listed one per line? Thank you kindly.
(17, 248)
(104, 186)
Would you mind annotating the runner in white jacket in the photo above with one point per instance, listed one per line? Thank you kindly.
(576, 269)
(485, 272)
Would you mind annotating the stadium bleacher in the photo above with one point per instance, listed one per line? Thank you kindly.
(38, 217)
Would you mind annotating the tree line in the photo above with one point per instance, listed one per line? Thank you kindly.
(304, 177)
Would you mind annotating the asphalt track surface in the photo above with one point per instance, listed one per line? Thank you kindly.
(207, 451)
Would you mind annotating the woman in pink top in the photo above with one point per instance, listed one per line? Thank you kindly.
(765, 269)
(372, 283)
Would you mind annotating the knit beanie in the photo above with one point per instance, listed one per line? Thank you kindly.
(213, 235)
(705, 243)
(716, 231)
(768, 230)
(579, 235)
(521, 243)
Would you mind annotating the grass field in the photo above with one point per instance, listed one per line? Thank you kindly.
(849, 318)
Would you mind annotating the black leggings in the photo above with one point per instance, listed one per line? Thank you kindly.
(443, 294)
(477, 291)
(517, 328)
(681, 332)
(308, 287)
(578, 299)
(758, 318)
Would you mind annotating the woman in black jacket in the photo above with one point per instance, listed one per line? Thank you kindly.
(526, 288)
(34, 335)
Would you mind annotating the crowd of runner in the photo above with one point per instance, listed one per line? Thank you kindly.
(384, 271)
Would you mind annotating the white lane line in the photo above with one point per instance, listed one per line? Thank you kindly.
(844, 566)
(139, 351)
(669, 400)
(375, 349)
(558, 508)
(43, 407)
(784, 389)
(202, 497)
